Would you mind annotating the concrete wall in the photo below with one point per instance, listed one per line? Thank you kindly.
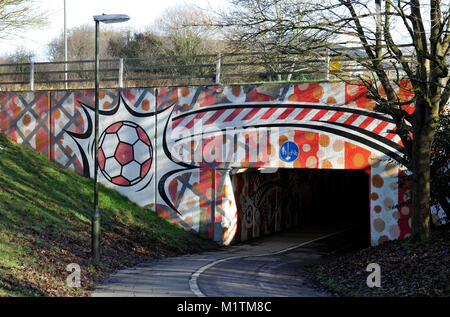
(173, 149)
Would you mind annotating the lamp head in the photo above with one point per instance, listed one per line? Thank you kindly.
(111, 18)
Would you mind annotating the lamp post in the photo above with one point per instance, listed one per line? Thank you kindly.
(105, 18)
(65, 46)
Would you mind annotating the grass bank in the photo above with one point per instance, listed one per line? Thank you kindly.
(45, 215)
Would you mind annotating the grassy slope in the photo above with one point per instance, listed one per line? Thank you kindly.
(45, 225)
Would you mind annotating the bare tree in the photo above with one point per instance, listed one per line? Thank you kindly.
(269, 27)
(381, 28)
(136, 45)
(81, 44)
(19, 15)
(187, 36)
(19, 62)
(187, 30)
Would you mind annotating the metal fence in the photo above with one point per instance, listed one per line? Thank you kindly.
(208, 69)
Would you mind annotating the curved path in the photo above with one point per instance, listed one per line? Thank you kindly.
(265, 267)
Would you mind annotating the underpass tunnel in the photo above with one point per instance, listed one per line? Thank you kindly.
(308, 199)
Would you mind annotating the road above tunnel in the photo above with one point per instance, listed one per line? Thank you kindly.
(266, 267)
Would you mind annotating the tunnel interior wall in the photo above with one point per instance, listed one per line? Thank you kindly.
(266, 203)
(152, 151)
(307, 198)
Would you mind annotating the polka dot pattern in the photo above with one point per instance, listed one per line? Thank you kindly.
(385, 213)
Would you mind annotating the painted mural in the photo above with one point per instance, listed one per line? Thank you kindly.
(174, 150)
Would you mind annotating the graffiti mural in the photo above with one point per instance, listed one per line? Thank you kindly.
(25, 118)
(174, 150)
(267, 203)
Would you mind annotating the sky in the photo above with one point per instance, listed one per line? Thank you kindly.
(142, 13)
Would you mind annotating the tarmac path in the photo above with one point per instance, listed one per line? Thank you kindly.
(265, 267)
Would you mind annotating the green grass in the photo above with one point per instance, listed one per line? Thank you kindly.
(45, 213)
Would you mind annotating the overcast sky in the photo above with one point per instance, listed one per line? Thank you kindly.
(142, 12)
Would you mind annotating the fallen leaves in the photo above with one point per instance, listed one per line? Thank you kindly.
(407, 269)
(53, 249)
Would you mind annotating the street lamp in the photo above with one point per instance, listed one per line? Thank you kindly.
(65, 47)
(105, 18)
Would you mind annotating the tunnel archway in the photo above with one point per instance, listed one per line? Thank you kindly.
(304, 198)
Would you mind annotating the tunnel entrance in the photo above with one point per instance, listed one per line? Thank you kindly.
(311, 199)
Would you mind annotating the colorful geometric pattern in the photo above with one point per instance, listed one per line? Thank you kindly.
(25, 118)
(67, 116)
(188, 180)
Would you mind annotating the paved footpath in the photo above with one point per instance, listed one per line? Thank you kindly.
(198, 274)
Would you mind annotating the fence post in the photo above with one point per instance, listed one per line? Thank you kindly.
(218, 66)
(32, 76)
(327, 62)
(66, 77)
(121, 73)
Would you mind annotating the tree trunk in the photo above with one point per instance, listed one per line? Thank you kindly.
(420, 214)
